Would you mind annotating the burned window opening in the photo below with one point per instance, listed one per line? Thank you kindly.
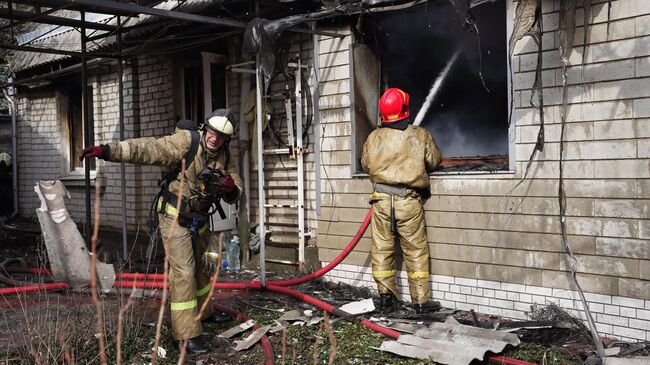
(70, 119)
(411, 47)
(193, 85)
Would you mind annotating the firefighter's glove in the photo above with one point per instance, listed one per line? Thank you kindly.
(225, 185)
(102, 151)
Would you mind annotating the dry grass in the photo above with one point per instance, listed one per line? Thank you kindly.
(49, 328)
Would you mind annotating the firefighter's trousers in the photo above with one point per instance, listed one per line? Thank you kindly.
(189, 284)
(411, 232)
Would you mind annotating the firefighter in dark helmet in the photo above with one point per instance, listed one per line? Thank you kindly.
(208, 180)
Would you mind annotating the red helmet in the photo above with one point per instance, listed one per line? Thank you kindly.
(394, 105)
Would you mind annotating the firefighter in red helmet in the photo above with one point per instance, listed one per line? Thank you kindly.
(398, 157)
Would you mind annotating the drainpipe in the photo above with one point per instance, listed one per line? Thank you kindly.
(245, 166)
(10, 96)
(260, 168)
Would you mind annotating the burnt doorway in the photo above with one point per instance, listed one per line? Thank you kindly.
(205, 88)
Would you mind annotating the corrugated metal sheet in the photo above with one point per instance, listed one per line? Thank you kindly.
(68, 39)
(43, 30)
(189, 6)
(450, 343)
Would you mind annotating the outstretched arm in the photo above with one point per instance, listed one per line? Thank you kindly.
(164, 151)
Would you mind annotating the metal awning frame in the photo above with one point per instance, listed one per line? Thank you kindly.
(118, 10)
(113, 8)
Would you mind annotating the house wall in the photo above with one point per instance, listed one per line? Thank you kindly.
(5, 133)
(495, 245)
(280, 170)
(148, 111)
(39, 150)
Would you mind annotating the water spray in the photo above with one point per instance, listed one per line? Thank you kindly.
(435, 89)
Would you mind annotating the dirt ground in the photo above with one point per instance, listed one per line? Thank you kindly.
(60, 327)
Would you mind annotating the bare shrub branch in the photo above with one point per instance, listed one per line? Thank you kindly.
(93, 281)
(332, 338)
(120, 324)
(166, 242)
(319, 341)
(284, 344)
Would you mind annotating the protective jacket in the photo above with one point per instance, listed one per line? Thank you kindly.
(403, 158)
(167, 152)
(398, 162)
(189, 284)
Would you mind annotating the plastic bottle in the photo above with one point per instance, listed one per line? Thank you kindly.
(233, 252)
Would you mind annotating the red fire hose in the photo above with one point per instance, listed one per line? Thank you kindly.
(33, 288)
(315, 302)
(124, 281)
(346, 251)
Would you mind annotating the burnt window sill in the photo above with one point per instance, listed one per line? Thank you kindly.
(473, 164)
(477, 165)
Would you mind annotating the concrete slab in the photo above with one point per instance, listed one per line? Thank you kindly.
(450, 343)
(66, 249)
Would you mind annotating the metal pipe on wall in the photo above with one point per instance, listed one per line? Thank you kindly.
(245, 165)
(244, 135)
(120, 96)
(301, 167)
(86, 124)
(10, 96)
(260, 169)
(316, 113)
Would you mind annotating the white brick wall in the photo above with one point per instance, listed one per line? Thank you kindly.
(149, 111)
(616, 317)
(38, 159)
(276, 165)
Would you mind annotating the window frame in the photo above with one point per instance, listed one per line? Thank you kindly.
(356, 151)
(63, 115)
(202, 62)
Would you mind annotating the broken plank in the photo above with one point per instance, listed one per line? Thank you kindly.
(252, 339)
(238, 329)
(359, 307)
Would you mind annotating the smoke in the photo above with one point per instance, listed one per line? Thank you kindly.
(454, 141)
(415, 45)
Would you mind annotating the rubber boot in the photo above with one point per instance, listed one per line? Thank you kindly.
(217, 317)
(428, 307)
(387, 303)
(196, 346)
